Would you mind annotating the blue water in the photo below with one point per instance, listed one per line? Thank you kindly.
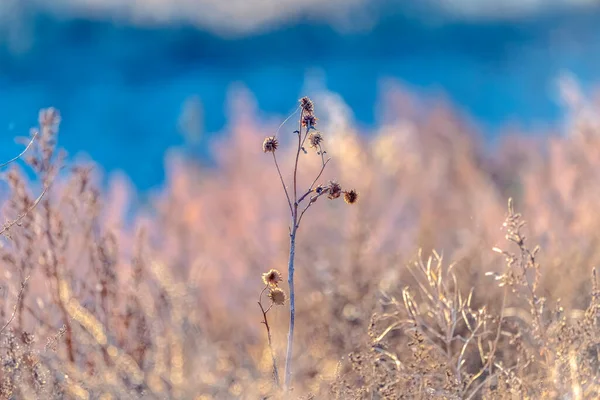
(121, 88)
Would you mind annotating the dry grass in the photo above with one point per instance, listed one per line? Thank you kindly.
(162, 304)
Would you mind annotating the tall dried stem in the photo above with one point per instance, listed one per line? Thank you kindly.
(295, 200)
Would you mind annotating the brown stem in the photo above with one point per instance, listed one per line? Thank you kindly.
(266, 322)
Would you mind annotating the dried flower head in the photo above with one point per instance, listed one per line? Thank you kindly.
(272, 277)
(307, 105)
(351, 197)
(270, 144)
(277, 296)
(335, 190)
(309, 120)
(315, 139)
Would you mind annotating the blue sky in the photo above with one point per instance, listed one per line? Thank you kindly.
(121, 77)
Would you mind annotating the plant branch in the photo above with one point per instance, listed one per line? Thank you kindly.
(14, 222)
(16, 307)
(283, 183)
(492, 353)
(310, 189)
(297, 158)
(21, 154)
(286, 120)
(266, 322)
(313, 199)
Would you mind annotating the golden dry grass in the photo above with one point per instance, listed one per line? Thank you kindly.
(162, 304)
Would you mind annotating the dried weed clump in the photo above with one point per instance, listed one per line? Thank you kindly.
(436, 343)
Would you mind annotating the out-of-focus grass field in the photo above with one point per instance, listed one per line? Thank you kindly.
(160, 302)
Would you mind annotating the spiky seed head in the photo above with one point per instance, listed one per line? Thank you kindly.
(309, 120)
(351, 196)
(315, 139)
(277, 296)
(335, 190)
(272, 277)
(270, 144)
(307, 105)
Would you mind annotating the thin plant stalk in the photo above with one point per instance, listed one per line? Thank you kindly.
(290, 343)
(295, 198)
(294, 229)
(266, 323)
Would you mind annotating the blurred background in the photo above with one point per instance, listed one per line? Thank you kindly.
(134, 78)
(435, 111)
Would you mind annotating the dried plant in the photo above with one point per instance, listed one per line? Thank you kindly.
(105, 298)
(300, 201)
(277, 296)
(461, 351)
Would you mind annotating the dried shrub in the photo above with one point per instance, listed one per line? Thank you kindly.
(103, 298)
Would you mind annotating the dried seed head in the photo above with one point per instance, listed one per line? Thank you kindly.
(277, 296)
(307, 105)
(315, 139)
(270, 144)
(272, 278)
(335, 190)
(351, 197)
(309, 120)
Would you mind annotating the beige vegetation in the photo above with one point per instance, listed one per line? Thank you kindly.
(99, 304)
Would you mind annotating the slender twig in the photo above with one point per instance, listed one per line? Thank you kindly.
(310, 189)
(492, 353)
(308, 128)
(313, 199)
(266, 322)
(54, 265)
(480, 385)
(21, 154)
(283, 183)
(286, 120)
(10, 224)
(297, 158)
(16, 307)
(312, 185)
